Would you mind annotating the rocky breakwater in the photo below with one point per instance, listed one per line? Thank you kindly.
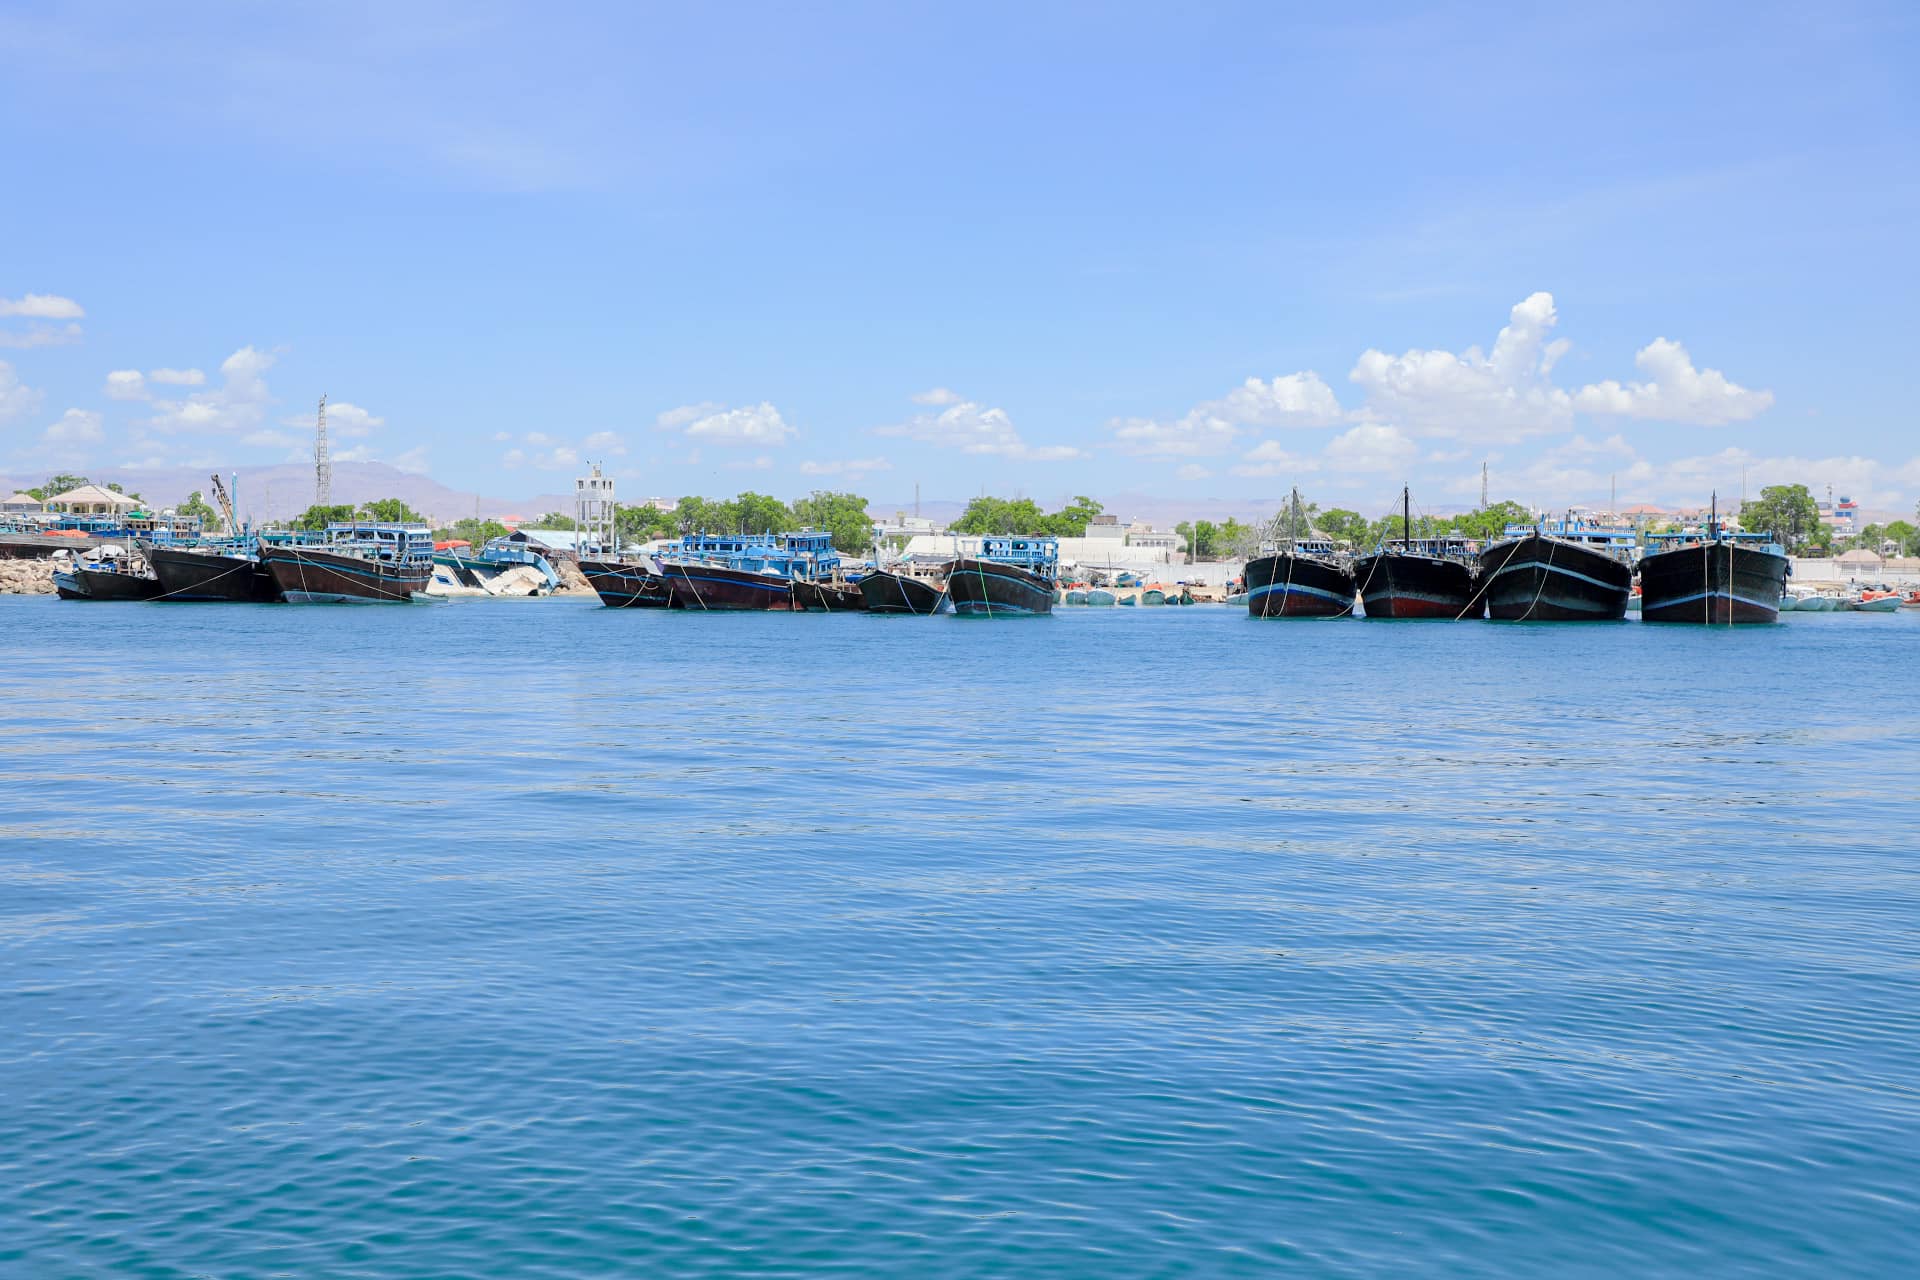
(27, 577)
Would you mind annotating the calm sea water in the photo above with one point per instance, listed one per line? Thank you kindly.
(534, 939)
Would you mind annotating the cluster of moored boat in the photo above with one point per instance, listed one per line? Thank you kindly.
(801, 572)
(1559, 570)
(349, 562)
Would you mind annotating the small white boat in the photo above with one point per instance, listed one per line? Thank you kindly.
(1789, 602)
(1879, 604)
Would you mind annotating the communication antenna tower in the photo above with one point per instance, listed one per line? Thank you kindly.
(1483, 486)
(322, 460)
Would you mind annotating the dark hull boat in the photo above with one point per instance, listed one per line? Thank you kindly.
(307, 575)
(1539, 578)
(886, 592)
(1715, 582)
(1406, 584)
(827, 597)
(701, 586)
(989, 589)
(1296, 585)
(204, 576)
(104, 584)
(627, 586)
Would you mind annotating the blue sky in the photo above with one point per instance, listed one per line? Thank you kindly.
(1030, 248)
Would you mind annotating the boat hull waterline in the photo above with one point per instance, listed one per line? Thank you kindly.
(989, 589)
(1395, 584)
(886, 592)
(202, 577)
(307, 575)
(1538, 578)
(1290, 585)
(627, 586)
(706, 588)
(1714, 583)
(102, 584)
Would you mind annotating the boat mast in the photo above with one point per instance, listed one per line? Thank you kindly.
(1406, 516)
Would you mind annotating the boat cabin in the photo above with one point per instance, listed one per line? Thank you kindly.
(393, 543)
(1041, 554)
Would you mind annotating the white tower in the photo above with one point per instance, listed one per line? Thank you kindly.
(593, 508)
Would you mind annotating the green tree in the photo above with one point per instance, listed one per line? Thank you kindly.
(844, 515)
(644, 524)
(57, 485)
(471, 529)
(1790, 514)
(1907, 535)
(1236, 541)
(1071, 520)
(554, 520)
(1345, 526)
(1001, 515)
(1490, 522)
(196, 507)
(318, 517)
(390, 511)
(758, 513)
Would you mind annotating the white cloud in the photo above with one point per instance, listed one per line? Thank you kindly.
(1675, 391)
(675, 419)
(606, 443)
(546, 454)
(1269, 459)
(126, 384)
(76, 426)
(1193, 471)
(764, 462)
(345, 419)
(42, 306)
(1505, 395)
(750, 425)
(239, 404)
(848, 467)
(1212, 427)
(178, 377)
(973, 428)
(16, 398)
(414, 460)
(268, 438)
(939, 396)
(40, 335)
(501, 437)
(1371, 446)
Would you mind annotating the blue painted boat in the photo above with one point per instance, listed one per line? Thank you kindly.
(1010, 577)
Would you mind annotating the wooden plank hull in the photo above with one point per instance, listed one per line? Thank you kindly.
(1716, 583)
(712, 587)
(828, 597)
(988, 589)
(1396, 584)
(1290, 585)
(189, 576)
(306, 575)
(627, 586)
(1538, 578)
(886, 592)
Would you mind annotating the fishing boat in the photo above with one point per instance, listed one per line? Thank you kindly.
(834, 595)
(1153, 595)
(1101, 597)
(353, 562)
(1712, 575)
(1418, 577)
(746, 572)
(108, 578)
(628, 584)
(1564, 570)
(897, 591)
(1875, 602)
(1789, 602)
(1010, 577)
(1077, 595)
(1299, 575)
(224, 571)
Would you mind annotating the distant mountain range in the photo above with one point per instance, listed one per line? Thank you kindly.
(281, 492)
